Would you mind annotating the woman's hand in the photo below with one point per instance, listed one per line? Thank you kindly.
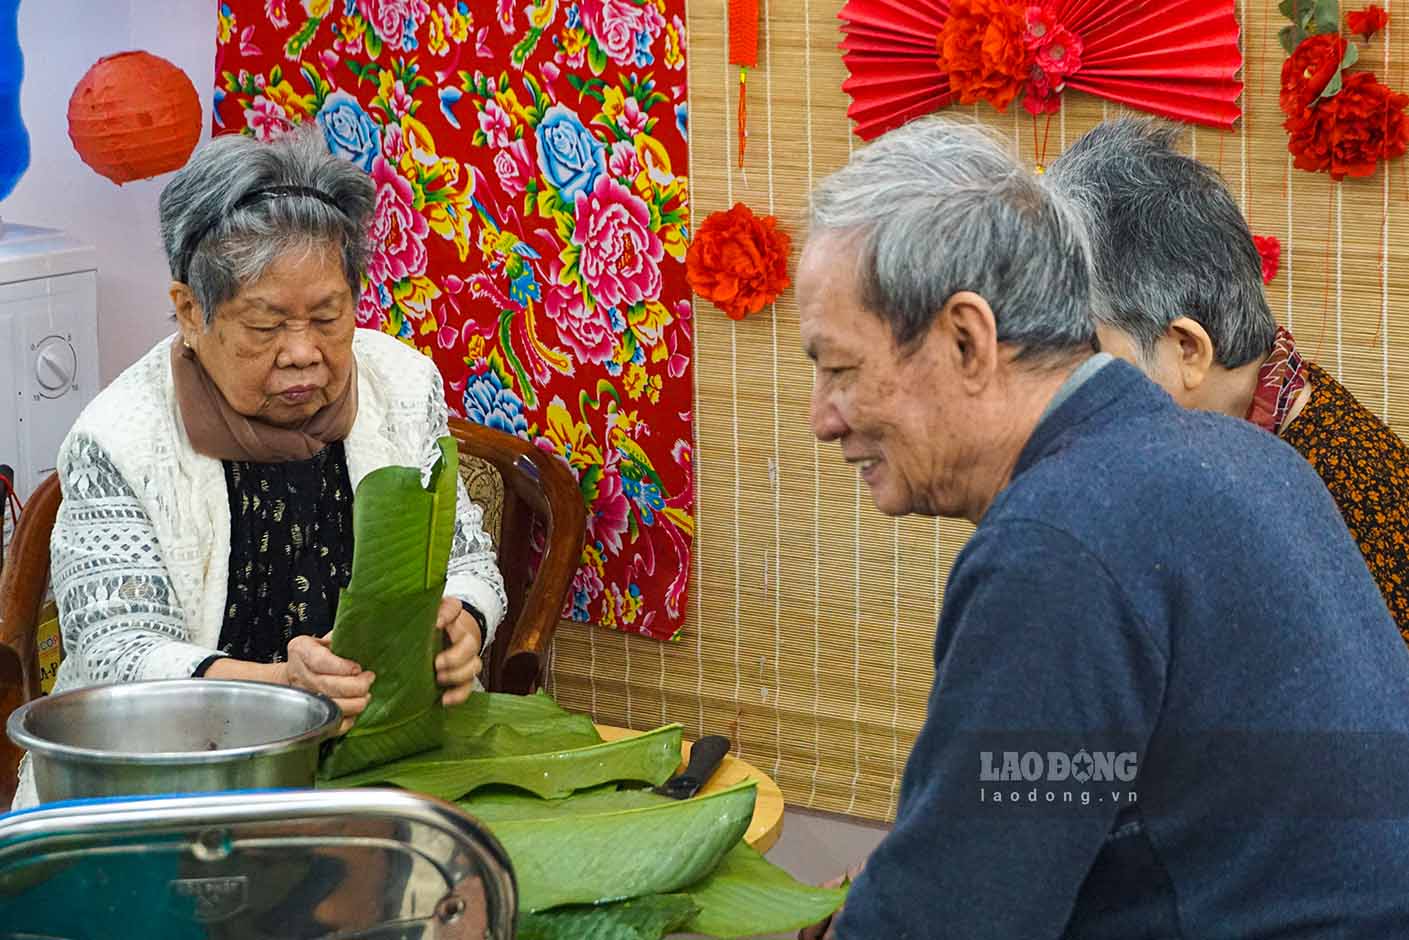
(458, 664)
(312, 665)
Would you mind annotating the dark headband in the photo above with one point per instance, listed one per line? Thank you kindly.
(264, 194)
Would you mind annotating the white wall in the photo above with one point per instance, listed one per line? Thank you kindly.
(61, 39)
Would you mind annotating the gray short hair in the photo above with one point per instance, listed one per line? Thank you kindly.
(217, 248)
(939, 206)
(1169, 240)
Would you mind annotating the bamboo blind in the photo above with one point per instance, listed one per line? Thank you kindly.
(812, 616)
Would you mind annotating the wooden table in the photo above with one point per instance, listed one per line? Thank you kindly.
(767, 823)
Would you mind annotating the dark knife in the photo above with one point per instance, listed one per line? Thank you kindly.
(705, 755)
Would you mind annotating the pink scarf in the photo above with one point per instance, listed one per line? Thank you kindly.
(1279, 380)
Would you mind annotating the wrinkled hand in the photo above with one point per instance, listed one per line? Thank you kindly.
(458, 664)
(825, 930)
(312, 665)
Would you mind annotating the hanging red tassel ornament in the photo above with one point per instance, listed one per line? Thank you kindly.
(134, 115)
(743, 52)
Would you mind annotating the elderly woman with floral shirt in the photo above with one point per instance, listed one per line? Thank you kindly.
(206, 526)
(1180, 295)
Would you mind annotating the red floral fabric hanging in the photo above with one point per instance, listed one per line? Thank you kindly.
(530, 233)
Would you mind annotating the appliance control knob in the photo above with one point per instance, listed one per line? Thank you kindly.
(55, 365)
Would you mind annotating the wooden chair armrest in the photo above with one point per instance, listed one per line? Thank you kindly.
(541, 474)
(11, 670)
(25, 578)
(12, 696)
(536, 483)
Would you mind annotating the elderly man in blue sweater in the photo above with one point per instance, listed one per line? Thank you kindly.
(1164, 707)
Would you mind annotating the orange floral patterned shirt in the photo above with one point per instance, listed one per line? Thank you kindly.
(1365, 465)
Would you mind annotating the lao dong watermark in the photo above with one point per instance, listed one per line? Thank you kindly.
(1057, 777)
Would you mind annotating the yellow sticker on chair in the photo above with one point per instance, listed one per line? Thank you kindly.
(46, 639)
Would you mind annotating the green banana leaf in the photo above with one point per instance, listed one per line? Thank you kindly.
(745, 895)
(651, 758)
(493, 805)
(484, 710)
(402, 536)
(492, 724)
(567, 733)
(592, 859)
(648, 918)
(748, 895)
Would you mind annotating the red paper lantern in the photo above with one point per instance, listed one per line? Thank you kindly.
(134, 115)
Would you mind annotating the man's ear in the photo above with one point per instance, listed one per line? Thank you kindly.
(1195, 351)
(968, 332)
(189, 318)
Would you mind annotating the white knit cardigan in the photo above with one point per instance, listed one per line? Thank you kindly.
(141, 547)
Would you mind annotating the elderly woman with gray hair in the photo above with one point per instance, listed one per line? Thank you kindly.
(206, 525)
(1179, 294)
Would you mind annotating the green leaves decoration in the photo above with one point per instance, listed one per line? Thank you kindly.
(1352, 55)
(1309, 18)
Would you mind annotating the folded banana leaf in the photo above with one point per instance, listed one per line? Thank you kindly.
(600, 857)
(746, 895)
(650, 758)
(402, 535)
(648, 918)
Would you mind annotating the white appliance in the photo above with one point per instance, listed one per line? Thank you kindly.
(48, 345)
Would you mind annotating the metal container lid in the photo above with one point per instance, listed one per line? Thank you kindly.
(266, 865)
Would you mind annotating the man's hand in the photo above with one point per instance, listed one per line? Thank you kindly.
(314, 666)
(823, 930)
(458, 664)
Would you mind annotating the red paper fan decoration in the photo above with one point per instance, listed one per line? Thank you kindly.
(134, 115)
(1178, 61)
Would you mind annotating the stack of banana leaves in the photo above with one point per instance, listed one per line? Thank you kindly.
(597, 854)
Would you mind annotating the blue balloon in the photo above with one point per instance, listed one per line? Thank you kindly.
(14, 139)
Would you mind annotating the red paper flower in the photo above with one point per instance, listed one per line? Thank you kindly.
(739, 261)
(1041, 20)
(1308, 69)
(1367, 22)
(1039, 97)
(1059, 55)
(981, 47)
(1270, 249)
(1348, 134)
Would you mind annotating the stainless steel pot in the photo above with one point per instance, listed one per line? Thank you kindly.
(173, 736)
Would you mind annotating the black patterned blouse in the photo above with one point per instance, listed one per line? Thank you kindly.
(290, 551)
(1365, 465)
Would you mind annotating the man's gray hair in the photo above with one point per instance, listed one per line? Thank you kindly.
(1169, 240)
(939, 206)
(218, 249)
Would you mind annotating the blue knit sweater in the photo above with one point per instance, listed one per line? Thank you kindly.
(1171, 596)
